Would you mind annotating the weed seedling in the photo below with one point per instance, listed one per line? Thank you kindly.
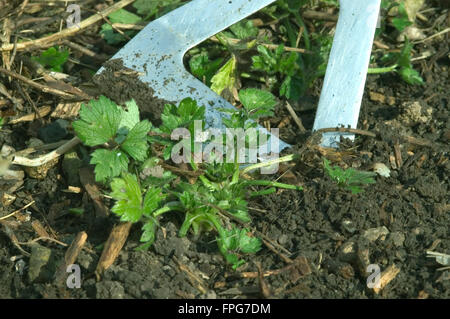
(350, 178)
(53, 58)
(131, 158)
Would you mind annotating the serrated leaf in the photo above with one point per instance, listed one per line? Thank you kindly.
(119, 16)
(108, 164)
(225, 78)
(136, 142)
(257, 102)
(130, 117)
(99, 121)
(151, 200)
(248, 244)
(401, 21)
(53, 58)
(410, 76)
(124, 16)
(244, 29)
(148, 232)
(127, 193)
(203, 68)
(146, 7)
(292, 88)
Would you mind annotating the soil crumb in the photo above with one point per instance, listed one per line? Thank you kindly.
(122, 84)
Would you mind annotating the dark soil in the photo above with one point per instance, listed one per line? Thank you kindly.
(121, 85)
(331, 234)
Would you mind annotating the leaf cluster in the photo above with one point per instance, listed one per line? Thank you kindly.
(350, 178)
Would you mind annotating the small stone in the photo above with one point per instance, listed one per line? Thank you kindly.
(40, 258)
(377, 97)
(373, 234)
(381, 169)
(348, 226)
(8, 199)
(283, 239)
(347, 252)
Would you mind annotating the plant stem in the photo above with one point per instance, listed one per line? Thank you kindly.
(263, 192)
(167, 208)
(274, 184)
(286, 158)
(382, 70)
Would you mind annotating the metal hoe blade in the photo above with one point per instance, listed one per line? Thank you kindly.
(157, 53)
(343, 86)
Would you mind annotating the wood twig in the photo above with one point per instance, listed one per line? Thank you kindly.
(297, 120)
(113, 245)
(71, 256)
(23, 161)
(347, 130)
(43, 88)
(51, 39)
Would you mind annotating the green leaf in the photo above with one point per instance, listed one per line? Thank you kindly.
(257, 103)
(53, 58)
(148, 232)
(401, 21)
(127, 193)
(182, 116)
(350, 178)
(237, 240)
(203, 68)
(124, 16)
(244, 29)
(108, 164)
(119, 16)
(410, 76)
(146, 7)
(135, 143)
(150, 8)
(130, 117)
(99, 121)
(292, 88)
(152, 199)
(248, 244)
(225, 78)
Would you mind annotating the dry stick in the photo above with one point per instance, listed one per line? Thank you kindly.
(433, 36)
(347, 130)
(30, 101)
(43, 88)
(318, 15)
(84, 50)
(41, 112)
(295, 117)
(113, 245)
(13, 238)
(19, 160)
(71, 256)
(69, 31)
(17, 211)
(269, 245)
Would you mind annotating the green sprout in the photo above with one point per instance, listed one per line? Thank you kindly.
(350, 179)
